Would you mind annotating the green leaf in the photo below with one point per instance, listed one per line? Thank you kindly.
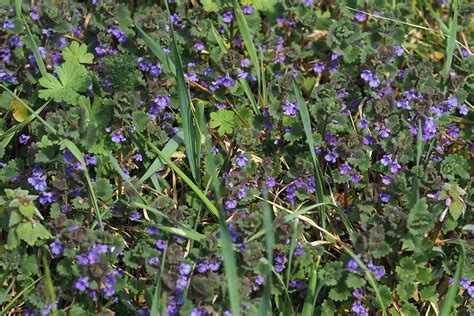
(429, 294)
(103, 189)
(420, 221)
(210, 5)
(224, 120)
(456, 208)
(78, 54)
(27, 210)
(73, 79)
(354, 281)
(264, 5)
(31, 233)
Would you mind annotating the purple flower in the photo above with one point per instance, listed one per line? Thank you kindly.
(383, 131)
(117, 33)
(154, 261)
(117, 137)
(48, 197)
(109, 283)
(359, 309)
(23, 139)
(152, 231)
(376, 270)
(366, 75)
(160, 244)
(385, 197)
(331, 157)
(38, 179)
(307, 3)
(463, 109)
(184, 269)
(227, 17)
(202, 266)
(245, 63)
(247, 9)
(155, 70)
(403, 104)
(15, 41)
(318, 68)
(345, 168)
(465, 52)
(387, 180)
(82, 283)
(290, 108)
(453, 130)
(8, 24)
(363, 123)
(135, 216)
(299, 251)
(395, 167)
(353, 266)
(358, 293)
(230, 204)
(270, 182)
(214, 265)
(356, 177)
(199, 45)
(429, 129)
(34, 14)
(280, 260)
(241, 160)
(57, 248)
(360, 17)
(386, 160)
(398, 50)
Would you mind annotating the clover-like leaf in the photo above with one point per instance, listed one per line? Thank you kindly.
(78, 54)
(420, 220)
(31, 233)
(73, 79)
(224, 120)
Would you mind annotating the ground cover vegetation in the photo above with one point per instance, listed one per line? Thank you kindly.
(225, 157)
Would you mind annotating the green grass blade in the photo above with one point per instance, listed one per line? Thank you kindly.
(243, 83)
(169, 149)
(311, 296)
(49, 285)
(5, 293)
(296, 232)
(269, 243)
(448, 304)
(158, 51)
(451, 41)
(246, 37)
(192, 138)
(218, 38)
(306, 119)
(212, 208)
(225, 241)
(248, 92)
(18, 296)
(90, 187)
(190, 234)
(155, 305)
(31, 41)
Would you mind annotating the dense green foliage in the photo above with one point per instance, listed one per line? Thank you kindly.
(214, 157)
